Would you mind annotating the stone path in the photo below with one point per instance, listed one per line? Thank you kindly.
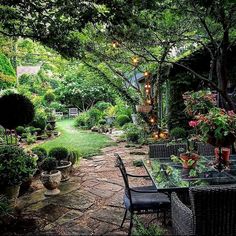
(90, 203)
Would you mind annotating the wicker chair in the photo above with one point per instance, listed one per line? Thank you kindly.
(205, 149)
(213, 211)
(141, 200)
(165, 151)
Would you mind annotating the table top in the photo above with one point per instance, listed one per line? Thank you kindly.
(168, 175)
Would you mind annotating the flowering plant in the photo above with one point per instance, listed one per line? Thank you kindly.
(217, 127)
(198, 102)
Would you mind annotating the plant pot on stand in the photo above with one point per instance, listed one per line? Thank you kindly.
(189, 160)
(64, 167)
(51, 181)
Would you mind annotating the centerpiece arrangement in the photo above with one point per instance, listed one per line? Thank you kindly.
(212, 124)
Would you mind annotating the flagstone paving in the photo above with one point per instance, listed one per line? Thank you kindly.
(90, 203)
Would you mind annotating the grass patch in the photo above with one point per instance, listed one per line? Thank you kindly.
(86, 143)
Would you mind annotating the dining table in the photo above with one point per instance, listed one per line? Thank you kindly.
(169, 176)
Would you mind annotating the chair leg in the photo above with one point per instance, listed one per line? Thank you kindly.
(131, 223)
(123, 218)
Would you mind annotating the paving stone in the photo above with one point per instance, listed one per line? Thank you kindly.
(77, 200)
(52, 212)
(68, 217)
(105, 215)
(105, 189)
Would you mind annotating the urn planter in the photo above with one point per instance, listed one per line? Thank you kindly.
(64, 167)
(51, 180)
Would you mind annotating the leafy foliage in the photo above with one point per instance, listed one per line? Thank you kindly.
(60, 153)
(15, 165)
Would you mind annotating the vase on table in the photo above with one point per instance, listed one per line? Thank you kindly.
(225, 155)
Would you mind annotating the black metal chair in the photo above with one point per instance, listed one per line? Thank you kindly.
(141, 200)
(212, 211)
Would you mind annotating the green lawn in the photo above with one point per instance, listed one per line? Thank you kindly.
(85, 142)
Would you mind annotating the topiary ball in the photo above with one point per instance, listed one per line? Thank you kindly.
(16, 110)
(60, 153)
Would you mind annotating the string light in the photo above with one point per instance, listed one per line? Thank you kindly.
(146, 74)
(152, 120)
(115, 44)
(135, 60)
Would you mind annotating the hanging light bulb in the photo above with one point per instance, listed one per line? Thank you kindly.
(146, 74)
(152, 120)
(155, 135)
(135, 60)
(115, 44)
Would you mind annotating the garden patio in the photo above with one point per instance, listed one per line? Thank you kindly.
(118, 117)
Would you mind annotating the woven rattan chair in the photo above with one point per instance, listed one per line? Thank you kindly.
(213, 211)
(141, 200)
(164, 150)
(205, 149)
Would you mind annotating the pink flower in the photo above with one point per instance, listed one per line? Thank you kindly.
(231, 113)
(193, 123)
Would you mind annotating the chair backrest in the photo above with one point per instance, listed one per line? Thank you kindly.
(205, 149)
(164, 150)
(73, 111)
(214, 209)
(120, 164)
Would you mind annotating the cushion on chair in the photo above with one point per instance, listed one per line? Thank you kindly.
(145, 201)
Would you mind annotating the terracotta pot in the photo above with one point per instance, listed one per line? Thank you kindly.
(24, 187)
(65, 168)
(186, 157)
(225, 154)
(51, 182)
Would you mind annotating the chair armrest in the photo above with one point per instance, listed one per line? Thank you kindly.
(182, 217)
(138, 176)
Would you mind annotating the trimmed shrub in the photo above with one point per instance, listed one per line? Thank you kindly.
(178, 133)
(60, 153)
(20, 130)
(132, 132)
(17, 110)
(94, 116)
(82, 120)
(15, 165)
(73, 156)
(39, 122)
(40, 152)
(102, 106)
(122, 120)
(49, 164)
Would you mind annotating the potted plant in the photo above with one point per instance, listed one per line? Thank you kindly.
(50, 177)
(51, 119)
(61, 155)
(215, 126)
(189, 157)
(15, 167)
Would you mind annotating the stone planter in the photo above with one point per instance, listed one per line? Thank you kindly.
(24, 187)
(51, 182)
(11, 192)
(65, 167)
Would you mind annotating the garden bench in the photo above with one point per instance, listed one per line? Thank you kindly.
(73, 112)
